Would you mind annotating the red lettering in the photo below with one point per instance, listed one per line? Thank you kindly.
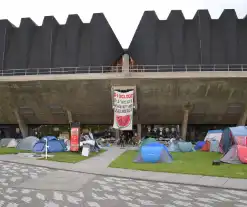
(115, 94)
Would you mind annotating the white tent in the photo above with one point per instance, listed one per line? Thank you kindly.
(8, 142)
(27, 143)
(213, 135)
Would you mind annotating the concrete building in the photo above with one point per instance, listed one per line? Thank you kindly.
(183, 71)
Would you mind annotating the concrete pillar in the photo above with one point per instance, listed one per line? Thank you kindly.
(243, 118)
(117, 134)
(23, 127)
(126, 65)
(69, 114)
(185, 124)
(139, 130)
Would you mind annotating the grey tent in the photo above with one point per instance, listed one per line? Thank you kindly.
(231, 156)
(27, 143)
(8, 142)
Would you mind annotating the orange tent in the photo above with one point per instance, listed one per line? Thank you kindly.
(206, 147)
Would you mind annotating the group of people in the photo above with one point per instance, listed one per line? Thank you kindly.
(128, 138)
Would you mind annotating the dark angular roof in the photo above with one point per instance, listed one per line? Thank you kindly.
(54, 45)
(201, 40)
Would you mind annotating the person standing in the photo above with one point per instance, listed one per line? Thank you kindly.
(122, 139)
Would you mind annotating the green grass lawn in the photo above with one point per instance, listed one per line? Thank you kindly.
(195, 163)
(71, 157)
(5, 151)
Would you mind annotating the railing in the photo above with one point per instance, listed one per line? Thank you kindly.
(118, 69)
(188, 68)
(61, 70)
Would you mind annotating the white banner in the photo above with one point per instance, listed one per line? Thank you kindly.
(123, 110)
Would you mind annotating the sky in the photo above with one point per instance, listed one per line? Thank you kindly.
(123, 15)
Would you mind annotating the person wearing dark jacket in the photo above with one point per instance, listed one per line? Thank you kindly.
(122, 139)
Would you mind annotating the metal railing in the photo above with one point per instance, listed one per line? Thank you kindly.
(188, 68)
(61, 70)
(118, 69)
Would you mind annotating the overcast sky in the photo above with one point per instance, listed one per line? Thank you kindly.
(123, 15)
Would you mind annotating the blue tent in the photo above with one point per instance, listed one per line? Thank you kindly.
(54, 145)
(199, 145)
(153, 153)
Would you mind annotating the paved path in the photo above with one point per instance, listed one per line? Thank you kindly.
(98, 166)
(28, 186)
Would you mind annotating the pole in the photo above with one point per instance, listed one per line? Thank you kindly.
(46, 146)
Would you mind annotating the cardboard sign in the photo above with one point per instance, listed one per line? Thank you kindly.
(85, 151)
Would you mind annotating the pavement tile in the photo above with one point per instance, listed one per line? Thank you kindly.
(240, 184)
(212, 181)
(99, 166)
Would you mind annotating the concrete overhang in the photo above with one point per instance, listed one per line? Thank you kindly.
(217, 97)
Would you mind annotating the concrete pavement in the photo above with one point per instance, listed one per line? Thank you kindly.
(24, 186)
(99, 166)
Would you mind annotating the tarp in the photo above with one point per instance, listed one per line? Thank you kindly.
(8, 142)
(153, 153)
(27, 143)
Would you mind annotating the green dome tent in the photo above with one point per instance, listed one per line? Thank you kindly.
(147, 141)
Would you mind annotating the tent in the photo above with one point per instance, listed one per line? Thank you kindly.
(213, 135)
(236, 155)
(214, 146)
(8, 142)
(231, 136)
(206, 147)
(185, 146)
(147, 141)
(199, 145)
(173, 146)
(153, 153)
(233, 144)
(180, 146)
(27, 143)
(54, 145)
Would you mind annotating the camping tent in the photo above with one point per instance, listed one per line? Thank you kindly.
(233, 145)
(214, 145)
(173, 146)
(153, 153)
(54, 145)
(27, 143)
(236, 155)
(213, 135)
(231, 136)
(8, 142)
(180, 146)
(199, 145)
(147, 141)
(185, 146)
